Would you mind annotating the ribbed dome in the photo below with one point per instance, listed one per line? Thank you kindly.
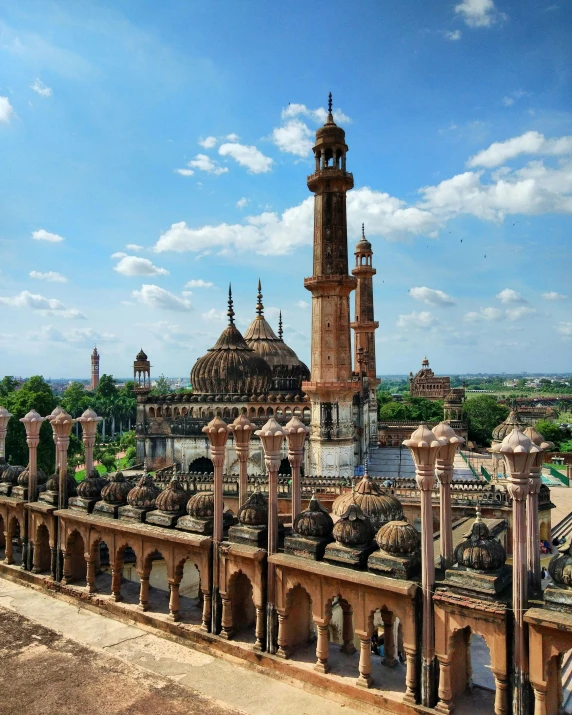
(254, 511)
(375, 503)
(141, 355)
(91, 486)
(353, 528)
(41, 477)
(231, 366)
(331, 131)
(53, 484)
(505, 428)
(313, 521)
(116, 489)
(172, 499)
(11, 473)
(363, 245)
(398, 538)
(480, 551)
(560, 568)
(201, 505)
(143, 494)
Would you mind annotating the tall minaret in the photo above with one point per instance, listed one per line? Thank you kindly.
(94, 369)
(331, 388)
(364, 325)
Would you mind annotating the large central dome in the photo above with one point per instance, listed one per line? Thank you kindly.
(288, 371)
(231, 366)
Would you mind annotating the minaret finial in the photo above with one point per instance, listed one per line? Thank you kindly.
(230, 311)
(280, 331)
(366, 468)
(363, 231)
(330, 103)
(259, 306)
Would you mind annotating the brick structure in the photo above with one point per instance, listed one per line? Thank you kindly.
(426, 384)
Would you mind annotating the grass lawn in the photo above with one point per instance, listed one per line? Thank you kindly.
(101, 469)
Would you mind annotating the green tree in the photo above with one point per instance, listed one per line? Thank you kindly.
(162, 387)
(551, 432)
(107, 387)
(483, 414)
(566, 446)
(8, 385)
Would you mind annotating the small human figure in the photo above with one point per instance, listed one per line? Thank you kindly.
(375, 643)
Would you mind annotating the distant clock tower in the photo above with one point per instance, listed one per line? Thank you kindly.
(94, 369)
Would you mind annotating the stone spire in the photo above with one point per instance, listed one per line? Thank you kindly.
(230, 311)
(364, 325)
(280, 331)
(259, 306)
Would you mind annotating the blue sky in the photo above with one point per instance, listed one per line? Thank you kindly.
(151, 153)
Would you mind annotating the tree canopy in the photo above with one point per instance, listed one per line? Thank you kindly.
(483, 414)
(413, 408)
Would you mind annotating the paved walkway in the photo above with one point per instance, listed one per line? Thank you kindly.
(90, 664)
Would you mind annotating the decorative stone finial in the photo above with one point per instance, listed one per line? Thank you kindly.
(230, 311)
(259, 306)
(280, 331)
(478, 520)
(330, 103)
(363, 231)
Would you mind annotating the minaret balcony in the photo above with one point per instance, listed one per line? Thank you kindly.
(331, 173)
(330, 285)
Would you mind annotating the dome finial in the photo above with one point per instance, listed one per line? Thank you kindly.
(366, 468)
(259, 306)
(230, 311)
(280, 331)
(363, 231)
(330, 103)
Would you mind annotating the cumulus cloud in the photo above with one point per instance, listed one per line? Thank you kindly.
(202, 162)
(431, 296)
(565, 329)
(43, 235)
(423, 320)
(155, 297)
(295, 137)
(518, 313)
(208, 142)
(137, 266)
(40, 88)
(249, 156)
(318, 116)
(119, 254)
(528, 143)
(508, 295)
(50, 276)
(134, 247)
(6, 110)
(453, 35)
(478, 13)
(198, 283)
(553, 295)
(217, 315)
(44, 306)
(76, 337)
(184, 172)
(484, 314)
(241, 203)
(302, 304)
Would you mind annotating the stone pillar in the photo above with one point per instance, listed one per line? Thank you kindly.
(116, 574)
(364, 679)
(174, 600)
(533, 530)
(259, 631)
(501, 693)
(444, 471)
(283, 645)
(67, 572)
(410, 674)
(227, 630)
(518, 452)
(143, 589)
(36, 565)
(9, 548)
(296, 432)
(445, 704)
(33, 423)
(4, 419)
(242, 429)
(540, 700)
(424, 447)
(90, 576)
(207, 612)
(389, 658)
(272, 437)
(348, 646)
(217, 431)
(322, 648)
(89, 421)
(62, 424)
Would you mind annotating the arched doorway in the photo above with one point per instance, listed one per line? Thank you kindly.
(75, 566)
(42, 551)
(300, 621)
(202, 465)
(243, 609)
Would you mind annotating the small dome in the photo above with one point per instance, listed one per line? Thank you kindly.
(505, 428)
(480, 551)
(398, 538)
(143, 494)
(41, 477)
(11, 474)
(201, 505)
(116, 489)
(141, 355)
(363, 245)
(254, 511)
(172, 499)
(3, 466)
(353, 528)
(375, 503)
(314, 521)
(53, 483)
(560, 567)
(91, 486)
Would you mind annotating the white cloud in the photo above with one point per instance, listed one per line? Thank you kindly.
(137, 266)
(508, 295)
(134, 247)
(508, 101)
(6, 110)
(565, 329)
(477, 13)
(45, 306)
(423, 320)
(454, 35)
(50, 276)
(553, 295)
(119, 254)
(232, 137)
(431, 296)
(302, 304)
(202, 162)
(155, 297)
(248, 156)
(184, 172)
(43, 235)
(76, 337)
(518, 313)
(198, 283)
(208, 142)
(484, 314)
(40, 88)
(217, 315)
(241, 203)
(318, 116)
(295, 137)
(528, 143)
